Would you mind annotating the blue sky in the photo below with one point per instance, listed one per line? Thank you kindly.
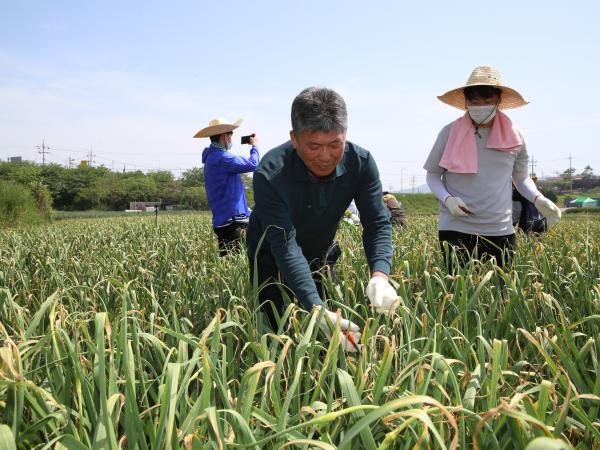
(135, 80)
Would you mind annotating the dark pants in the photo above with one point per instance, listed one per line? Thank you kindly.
(465, 245)
(271, 296)
(230, 237)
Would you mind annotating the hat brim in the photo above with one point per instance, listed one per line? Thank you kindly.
(509, 98)
(218, 129)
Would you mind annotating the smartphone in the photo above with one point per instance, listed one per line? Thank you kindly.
(246, 139)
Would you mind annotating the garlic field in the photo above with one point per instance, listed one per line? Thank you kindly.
(130, 333)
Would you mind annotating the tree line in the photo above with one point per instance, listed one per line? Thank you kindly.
(569, 180)
(84, 188)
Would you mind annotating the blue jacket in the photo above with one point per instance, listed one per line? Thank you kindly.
(224, 187)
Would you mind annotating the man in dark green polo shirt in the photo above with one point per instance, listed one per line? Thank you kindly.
(301, 191)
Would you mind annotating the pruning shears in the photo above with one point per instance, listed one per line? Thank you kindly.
(350, 339)
(467, 210)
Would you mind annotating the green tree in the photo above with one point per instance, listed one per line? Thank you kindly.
(568, 173)
(168, 190)
(23, 172)
(19, 206)
(193, 177)
(587, 172)
(194, 197)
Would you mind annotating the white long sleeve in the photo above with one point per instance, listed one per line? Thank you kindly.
(525, 185)
(434, 181)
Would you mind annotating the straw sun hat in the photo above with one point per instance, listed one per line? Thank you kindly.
(218, 126)
(484, 76)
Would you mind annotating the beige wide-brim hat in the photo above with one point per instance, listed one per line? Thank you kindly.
(218, 126)
(484, 76)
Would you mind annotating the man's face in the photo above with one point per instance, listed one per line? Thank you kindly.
(320, 151)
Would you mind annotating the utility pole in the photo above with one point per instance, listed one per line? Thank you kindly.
(413, 184)
(43, 149)
(90, 157)
(571, 173)
(533, 164)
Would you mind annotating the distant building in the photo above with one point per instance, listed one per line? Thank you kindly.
(15, 159)
(144, 206)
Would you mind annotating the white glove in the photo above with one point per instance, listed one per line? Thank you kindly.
(548, 209)
(349, 331)
(382, 295)
(456, 206)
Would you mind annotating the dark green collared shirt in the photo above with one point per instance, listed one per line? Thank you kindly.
(299, 214)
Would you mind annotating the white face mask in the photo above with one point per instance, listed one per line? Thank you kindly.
(229, 145)
(482, 114)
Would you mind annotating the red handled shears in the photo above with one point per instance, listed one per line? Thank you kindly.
(350, 339)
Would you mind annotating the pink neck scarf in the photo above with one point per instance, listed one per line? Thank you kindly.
(460, 154)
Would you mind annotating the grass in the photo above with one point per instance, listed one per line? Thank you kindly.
(419, 204)
(97, 214)
(124, 333)
(584, 211)
(18, 206)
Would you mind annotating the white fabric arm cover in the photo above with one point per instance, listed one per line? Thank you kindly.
(525, 185)
(434, 181)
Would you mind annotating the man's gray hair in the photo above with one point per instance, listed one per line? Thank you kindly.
(319, 109)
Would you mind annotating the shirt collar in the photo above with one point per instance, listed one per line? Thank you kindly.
(217, 145)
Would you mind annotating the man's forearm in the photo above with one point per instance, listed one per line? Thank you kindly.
(293, 267)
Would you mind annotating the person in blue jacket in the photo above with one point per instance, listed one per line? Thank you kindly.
(224, 187)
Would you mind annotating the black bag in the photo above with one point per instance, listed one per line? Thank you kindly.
(532, 220)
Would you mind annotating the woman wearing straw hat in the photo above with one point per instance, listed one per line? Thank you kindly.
(224, 187)
(471, 166)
